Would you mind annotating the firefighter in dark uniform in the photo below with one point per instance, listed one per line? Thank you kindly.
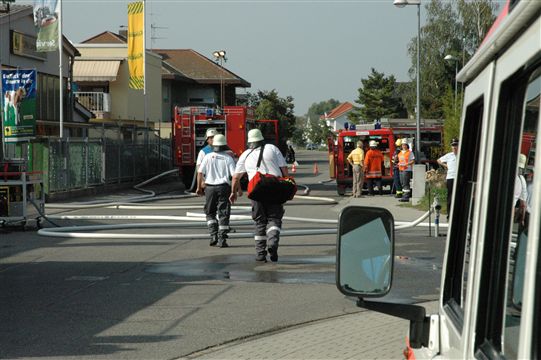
(267, 216)
(214, 180)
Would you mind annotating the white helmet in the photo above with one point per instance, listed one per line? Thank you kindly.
(522, 161)
(219, 140)
(373, 143)
(211, 132)
(255, 135)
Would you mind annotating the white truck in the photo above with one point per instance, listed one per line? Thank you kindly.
(490, 301)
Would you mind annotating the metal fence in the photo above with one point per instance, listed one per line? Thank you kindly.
(79, 164)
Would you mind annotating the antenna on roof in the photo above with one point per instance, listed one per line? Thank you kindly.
(153, 36)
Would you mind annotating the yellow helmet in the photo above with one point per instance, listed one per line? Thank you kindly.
(398, 142)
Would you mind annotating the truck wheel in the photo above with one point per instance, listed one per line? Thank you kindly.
(341, 190)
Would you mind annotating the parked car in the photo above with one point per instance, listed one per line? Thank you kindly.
(312, 147)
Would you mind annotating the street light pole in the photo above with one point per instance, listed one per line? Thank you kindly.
(401, 4)
(455, 60)
(219, 56)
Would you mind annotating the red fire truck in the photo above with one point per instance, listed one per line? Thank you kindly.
(431, 141)
(191, 124)
(345, 142)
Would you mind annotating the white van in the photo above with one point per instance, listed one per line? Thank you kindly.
(490, 301)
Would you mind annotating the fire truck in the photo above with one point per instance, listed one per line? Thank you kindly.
(431, 141)
(191, 124)
(345, 142)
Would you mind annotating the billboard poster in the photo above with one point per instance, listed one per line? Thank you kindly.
(18, 105)
(46, 22)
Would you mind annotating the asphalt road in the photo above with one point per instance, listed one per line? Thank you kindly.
(161, 299)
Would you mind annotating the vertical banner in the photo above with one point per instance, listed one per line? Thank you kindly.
(46, 22)
(136, 28)
(18, 105)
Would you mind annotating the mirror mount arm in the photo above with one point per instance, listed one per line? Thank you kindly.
(419, 322)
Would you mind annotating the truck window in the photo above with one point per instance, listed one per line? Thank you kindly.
(500, 292)
(456, 278)
(518, 238)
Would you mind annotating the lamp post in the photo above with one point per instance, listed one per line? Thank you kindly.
(219, 56)
(401, 4)
(451, 58)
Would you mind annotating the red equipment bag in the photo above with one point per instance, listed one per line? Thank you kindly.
(269, 188)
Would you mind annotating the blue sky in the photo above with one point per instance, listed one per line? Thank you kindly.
(311, 50)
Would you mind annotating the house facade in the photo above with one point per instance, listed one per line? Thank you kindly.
(101, 76)
(338, 117)
(18, 51)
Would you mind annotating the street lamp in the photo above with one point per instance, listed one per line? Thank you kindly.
(401, 4)
(219, 56)
(451, 58)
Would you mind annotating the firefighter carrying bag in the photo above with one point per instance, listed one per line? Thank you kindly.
(269, 188)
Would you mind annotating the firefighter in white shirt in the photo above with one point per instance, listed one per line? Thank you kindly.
(214, 180)
(207, 149)
(267, 216)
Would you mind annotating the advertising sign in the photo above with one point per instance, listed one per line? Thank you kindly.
(18, 105)
(136, 26)
(46, 22)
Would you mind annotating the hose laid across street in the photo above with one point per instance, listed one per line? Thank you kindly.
(190, 220)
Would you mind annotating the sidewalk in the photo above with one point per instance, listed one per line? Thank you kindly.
(400, 211)
(364, 335)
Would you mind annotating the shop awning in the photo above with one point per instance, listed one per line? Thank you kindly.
(95, 70)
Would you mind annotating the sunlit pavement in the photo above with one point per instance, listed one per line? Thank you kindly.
(163, 299)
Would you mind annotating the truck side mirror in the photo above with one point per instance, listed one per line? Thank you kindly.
(365, 251)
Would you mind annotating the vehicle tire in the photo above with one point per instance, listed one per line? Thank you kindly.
(341, 190)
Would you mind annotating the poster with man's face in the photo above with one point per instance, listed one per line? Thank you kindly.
(18, 105)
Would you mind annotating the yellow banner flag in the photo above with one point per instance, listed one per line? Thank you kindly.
(136, 30)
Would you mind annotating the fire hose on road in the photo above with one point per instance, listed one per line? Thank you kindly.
(191, 220)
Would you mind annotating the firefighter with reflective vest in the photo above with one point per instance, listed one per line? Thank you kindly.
(373, 164)
(397, 186)
(406, 159)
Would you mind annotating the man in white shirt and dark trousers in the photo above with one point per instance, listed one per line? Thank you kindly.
(207, 149)
(214, 180)
(267, 216)
(448, 161)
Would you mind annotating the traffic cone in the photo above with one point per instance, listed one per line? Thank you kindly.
(293, 168)
(316, 169)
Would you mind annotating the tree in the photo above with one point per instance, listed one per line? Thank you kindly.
(377, 98)
(477, 18)
(451, 113)
(316, 110)
(269, 105)
(455, 28)
(299, 134)
(317, 130)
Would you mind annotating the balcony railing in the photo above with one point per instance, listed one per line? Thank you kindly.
(97, 102)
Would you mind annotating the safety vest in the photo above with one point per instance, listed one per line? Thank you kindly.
(403, 159)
